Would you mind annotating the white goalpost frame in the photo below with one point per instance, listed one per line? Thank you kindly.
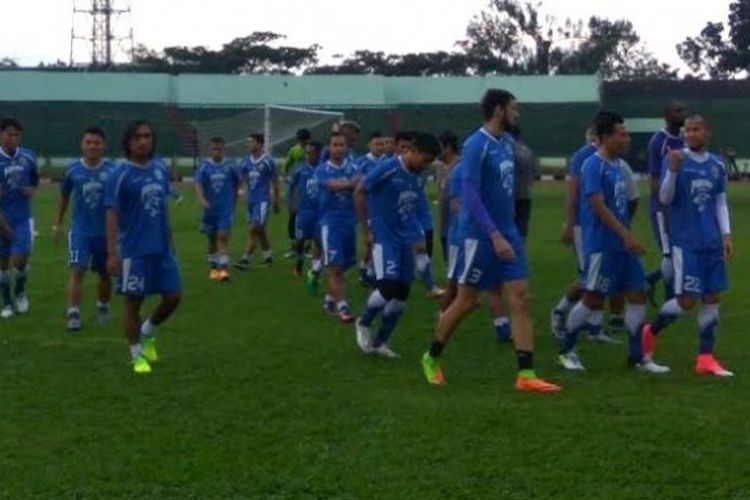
(268, 108)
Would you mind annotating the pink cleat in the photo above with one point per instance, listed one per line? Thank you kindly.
(707, 364)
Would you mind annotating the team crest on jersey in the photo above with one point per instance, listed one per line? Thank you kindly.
(151, 198)
(92, 194)
(506, 172)
(103, 176)
(715, 171)
(217, 181)
(311, 186)
(159, 175)
(700, 191)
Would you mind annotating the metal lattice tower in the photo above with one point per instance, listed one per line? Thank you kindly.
(103, 29)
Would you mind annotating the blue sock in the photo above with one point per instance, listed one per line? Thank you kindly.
(5, 287)
(375, 304)
(668, 313)
(391, 314)
(20, 288)
(708, 323)
(502, 329)
(668, 291)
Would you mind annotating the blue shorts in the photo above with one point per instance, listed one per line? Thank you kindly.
(613, 273)
(305, 225)
(339, 244)
(393, 262)
(452, 267)
(479, 267)
(257, 213)
(699, 272)
(23, 239)
(214, 223)
(149, 275)
(87, 252)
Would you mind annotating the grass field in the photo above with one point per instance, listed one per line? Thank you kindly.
(259, 395)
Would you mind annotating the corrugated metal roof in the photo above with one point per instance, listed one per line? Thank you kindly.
(313, 90)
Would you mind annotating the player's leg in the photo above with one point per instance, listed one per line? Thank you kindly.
(291, 231)
(633, 283)
(7, 310)
(616, 321)
(222, 253)
(75, 293)
(263, 240)
(714, 282)
(213, 257)
(686, 279)
(392, 312)
(519, 302)
(424, 270)
(98, 250)
(244, 262)
(574, 294)
(163, 278)
(20, 251)
(500, 319)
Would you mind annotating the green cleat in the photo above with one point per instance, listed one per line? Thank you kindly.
(312, 281)
(432, 371)
(140, 365)
(149, 349)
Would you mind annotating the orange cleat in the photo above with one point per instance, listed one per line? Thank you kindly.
(707, 364)
(224, 275)
(536, 385)
(214, 275)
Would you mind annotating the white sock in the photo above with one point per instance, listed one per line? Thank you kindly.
(148, 328)
(317, 265)
(564, 305)
(707, 314)
(341, 305)
(635, 315)
(224, 260)
(672, 308)
(501, 321)
(422, 260)
(596, 319)
(329, 298)
(102, 305)
(376, 300)
(74, 310)
(578, 317)
(267, 254)
(136, 350)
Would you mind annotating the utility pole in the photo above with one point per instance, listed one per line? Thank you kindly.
(102, 29)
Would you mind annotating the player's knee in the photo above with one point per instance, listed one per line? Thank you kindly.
(711, 299)
(389, 289)
(173, 299)
(593, 301)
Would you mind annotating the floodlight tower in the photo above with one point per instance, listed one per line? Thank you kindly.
(104, 27)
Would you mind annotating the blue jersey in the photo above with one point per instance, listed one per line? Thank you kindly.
(607, 178)
(423, 211)
(138, 194)
(259, 174)
(488, 162)
(304, 183)
(219, 182)
(658, 147)
(574, 172)
(693, 224)
(393, 195)
(336, 206)
(367, 163)
(17, 173)
(86, 186)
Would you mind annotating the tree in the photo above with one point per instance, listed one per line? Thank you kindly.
(511, 37)
(717, 53)
(8, 62)
(255, 53)
(365, 62)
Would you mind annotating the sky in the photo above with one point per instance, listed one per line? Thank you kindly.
(394, 26)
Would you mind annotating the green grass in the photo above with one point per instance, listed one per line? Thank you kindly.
(259, 395)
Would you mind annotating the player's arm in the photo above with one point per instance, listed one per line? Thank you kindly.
(654, 166)
(631, 188)
(374, 178)
(65, 189)
(722, 217)
(5, 230)
(604, 214)
(33, 181)
(572, 182)
(112, 222)
(668, 186)
(292, 188)
(201, 195)
(360, 206)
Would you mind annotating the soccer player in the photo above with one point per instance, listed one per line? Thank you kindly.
(216, 187)
(140, 248)
(422, 255)
(303, 186)
(612, 265)
(389, 143)
(492, 256)
(337, 179)
(84, 181)
(694, 191)
(448, 160)
(572, 234)
(294, 156)
(376, 149)
(259, 173)
(661, 142)
(19, 179)
(391, 190)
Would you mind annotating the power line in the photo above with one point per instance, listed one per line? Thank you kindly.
(103, 30)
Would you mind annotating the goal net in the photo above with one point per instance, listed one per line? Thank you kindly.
(279, 124)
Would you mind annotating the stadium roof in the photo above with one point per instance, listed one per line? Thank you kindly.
(190, 90)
